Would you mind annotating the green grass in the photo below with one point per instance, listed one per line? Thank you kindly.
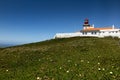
(62, 59)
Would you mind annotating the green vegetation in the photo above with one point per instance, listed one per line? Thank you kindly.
(62, 59)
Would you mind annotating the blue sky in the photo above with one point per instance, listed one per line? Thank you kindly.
(25, 21)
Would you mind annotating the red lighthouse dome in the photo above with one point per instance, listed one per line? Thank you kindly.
(86, 23)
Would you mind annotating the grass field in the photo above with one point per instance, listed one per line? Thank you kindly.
(62, 59)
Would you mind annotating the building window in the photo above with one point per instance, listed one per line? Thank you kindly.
(91, 32)
(95, 32)
(84, 33)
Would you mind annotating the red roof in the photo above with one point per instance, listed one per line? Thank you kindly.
(97, 29)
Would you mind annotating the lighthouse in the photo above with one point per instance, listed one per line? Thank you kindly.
(86, 24)
(90, 31)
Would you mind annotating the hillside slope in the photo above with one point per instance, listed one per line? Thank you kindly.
(62, 59)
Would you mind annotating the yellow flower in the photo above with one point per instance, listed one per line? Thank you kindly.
(80, 75)
(103, 69)
(88, 62)
(98, 56)
(82, 60)
(7, 70)
(111, 72)
(75, 64)
(60, 68)
(67, 71)
(38, 78)
(99, 69)
(98, 63)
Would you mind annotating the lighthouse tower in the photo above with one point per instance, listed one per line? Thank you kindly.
(86, 24)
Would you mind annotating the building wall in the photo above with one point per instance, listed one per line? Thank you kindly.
(101, 33)
(114, 33)
(67, 35)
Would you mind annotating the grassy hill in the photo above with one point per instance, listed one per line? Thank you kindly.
(62, 59)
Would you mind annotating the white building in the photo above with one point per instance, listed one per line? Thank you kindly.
(91, 31)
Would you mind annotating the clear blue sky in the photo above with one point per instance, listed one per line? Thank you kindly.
(35, 20)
